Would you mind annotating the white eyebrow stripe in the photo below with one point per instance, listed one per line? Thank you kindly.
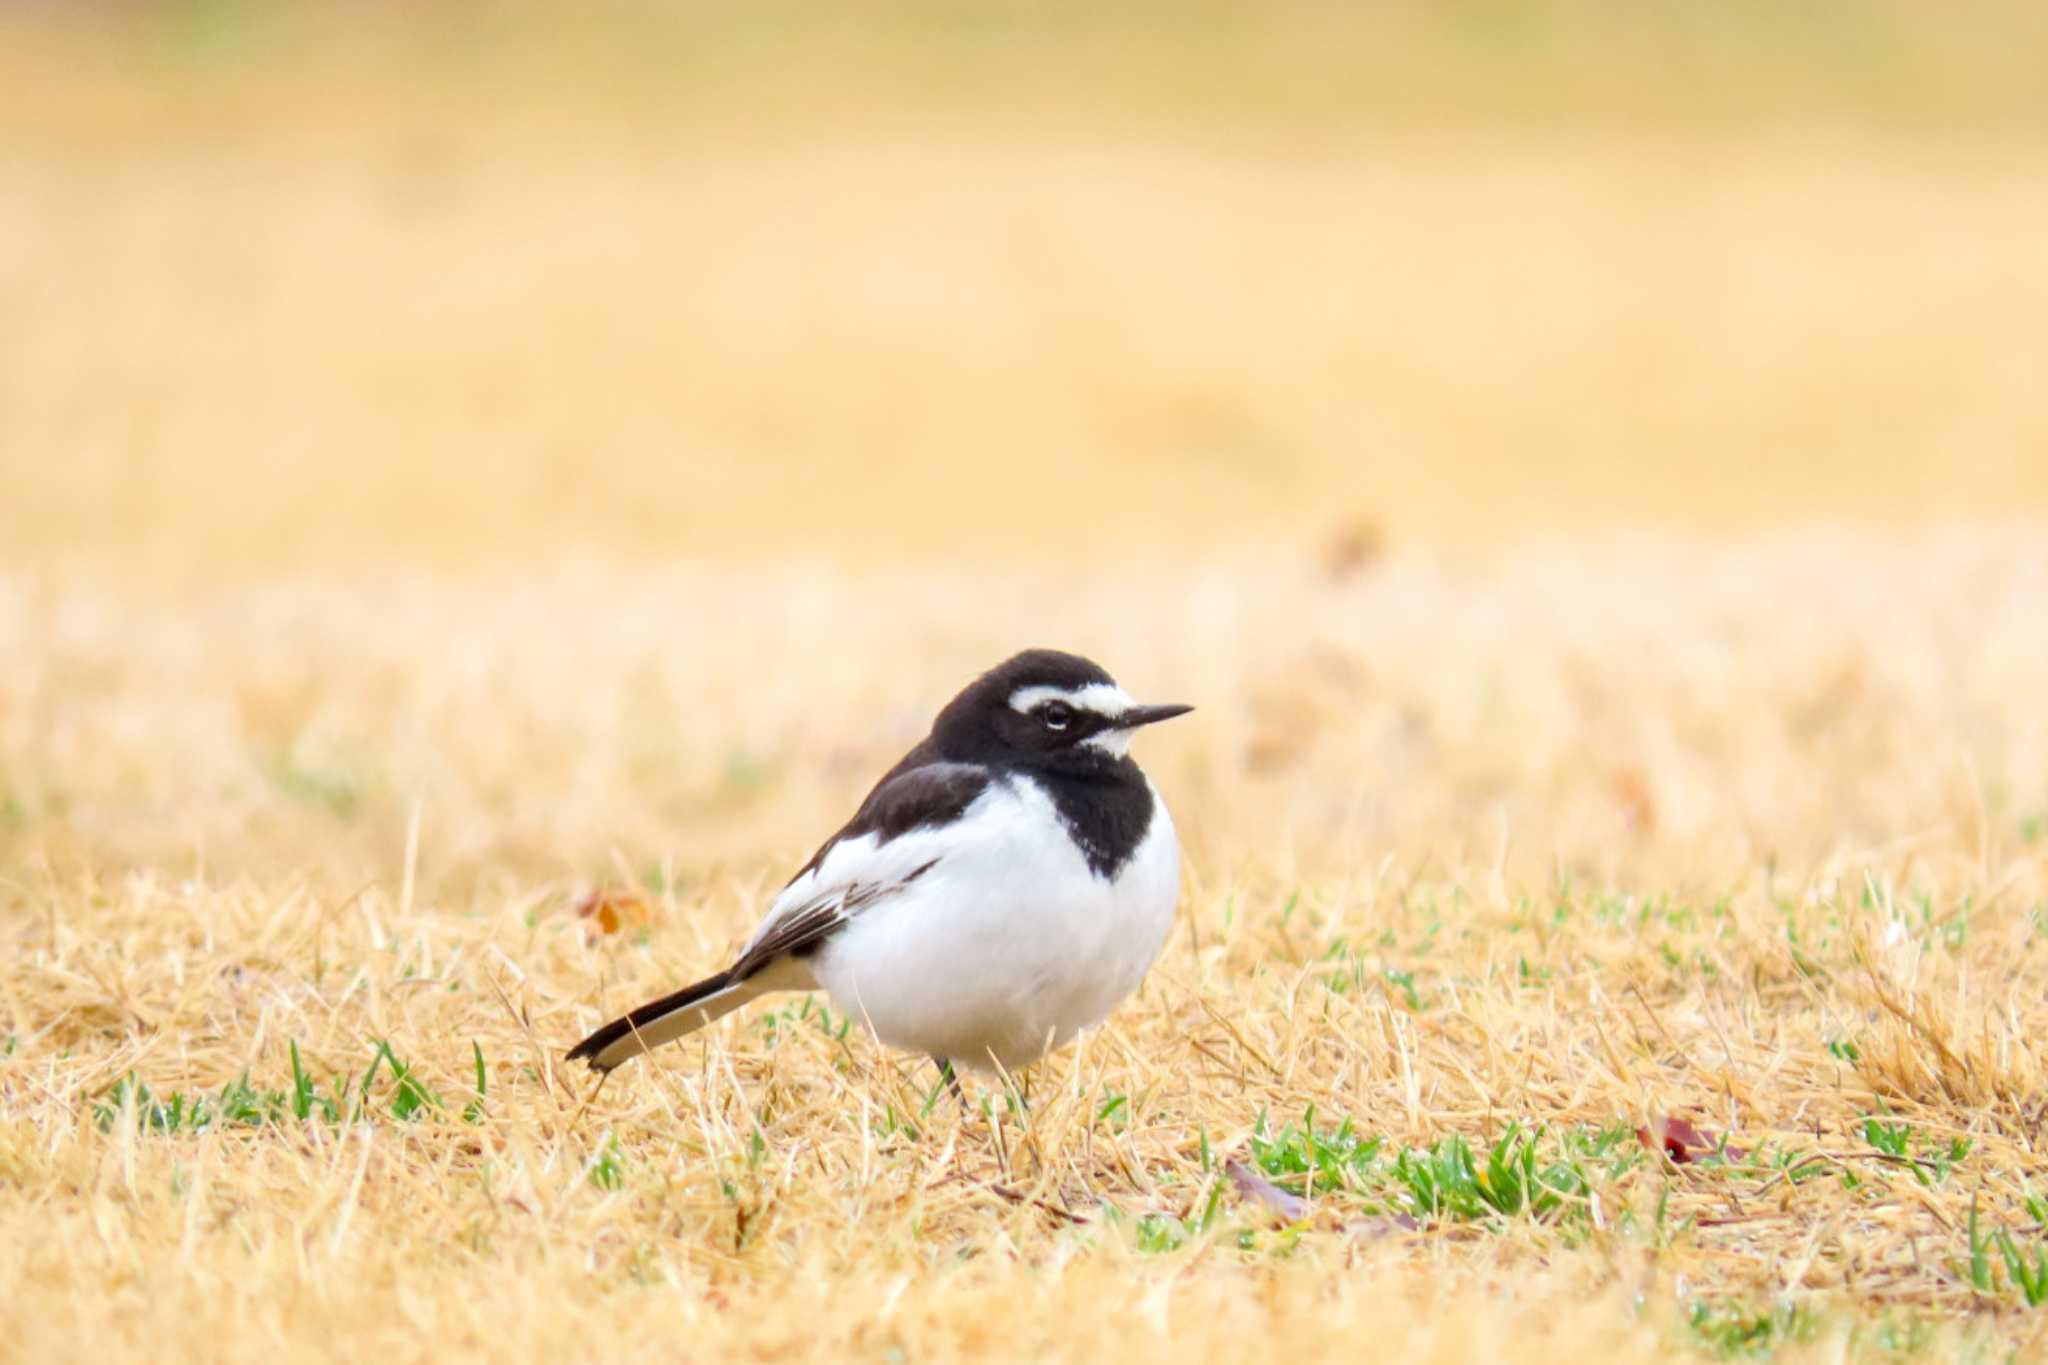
(1104, 699)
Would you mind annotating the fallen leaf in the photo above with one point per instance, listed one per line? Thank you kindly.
(1292, 1208)
(1353, 546)
(1631, 789)
(611, 911)
(1678, 1138)
(1268, 752)
(1254, 1186)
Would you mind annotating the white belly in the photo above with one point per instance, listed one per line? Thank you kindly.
(1010, 945)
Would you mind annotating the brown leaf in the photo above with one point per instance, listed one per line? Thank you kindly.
(1269, 751)
(1631, 789)
(1353, 546)
(609, 911)
(1254, 1186)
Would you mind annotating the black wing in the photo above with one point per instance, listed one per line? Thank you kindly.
(922, 789)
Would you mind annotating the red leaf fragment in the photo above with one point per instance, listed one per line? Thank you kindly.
(1677, 1137)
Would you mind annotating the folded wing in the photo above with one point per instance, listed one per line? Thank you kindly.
(865, 862)
(862, 865)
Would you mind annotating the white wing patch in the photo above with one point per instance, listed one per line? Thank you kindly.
(855, 875)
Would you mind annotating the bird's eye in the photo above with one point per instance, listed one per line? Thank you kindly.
(1057, 715)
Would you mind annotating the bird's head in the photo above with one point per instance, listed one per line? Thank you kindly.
(1047, 708)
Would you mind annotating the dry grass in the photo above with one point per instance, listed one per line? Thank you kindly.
(1751, 836)
(1585, 468)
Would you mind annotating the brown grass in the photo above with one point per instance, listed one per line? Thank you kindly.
(1587, 476)
(1649, 831)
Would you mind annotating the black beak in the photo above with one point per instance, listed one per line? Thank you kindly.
(1147, 715)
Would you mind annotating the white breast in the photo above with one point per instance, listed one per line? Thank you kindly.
(1010, 945)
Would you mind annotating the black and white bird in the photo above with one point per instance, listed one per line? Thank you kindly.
(1002, 888)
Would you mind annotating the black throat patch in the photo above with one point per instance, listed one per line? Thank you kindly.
(1107, 811)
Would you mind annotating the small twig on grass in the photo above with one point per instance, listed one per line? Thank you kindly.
(545, 1068)
(577, 1117)
(1019, 1197)
(1237, 1037)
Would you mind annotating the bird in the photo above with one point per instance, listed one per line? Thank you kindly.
(1004, 886)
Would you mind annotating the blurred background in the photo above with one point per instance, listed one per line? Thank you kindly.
(1541, 434)
(907, 281)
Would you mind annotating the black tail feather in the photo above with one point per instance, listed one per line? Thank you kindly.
(589, 1049)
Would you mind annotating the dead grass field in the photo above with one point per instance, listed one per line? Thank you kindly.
(1751, 836)
(1596, 504)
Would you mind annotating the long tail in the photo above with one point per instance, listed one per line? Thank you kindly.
(659, 1021)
